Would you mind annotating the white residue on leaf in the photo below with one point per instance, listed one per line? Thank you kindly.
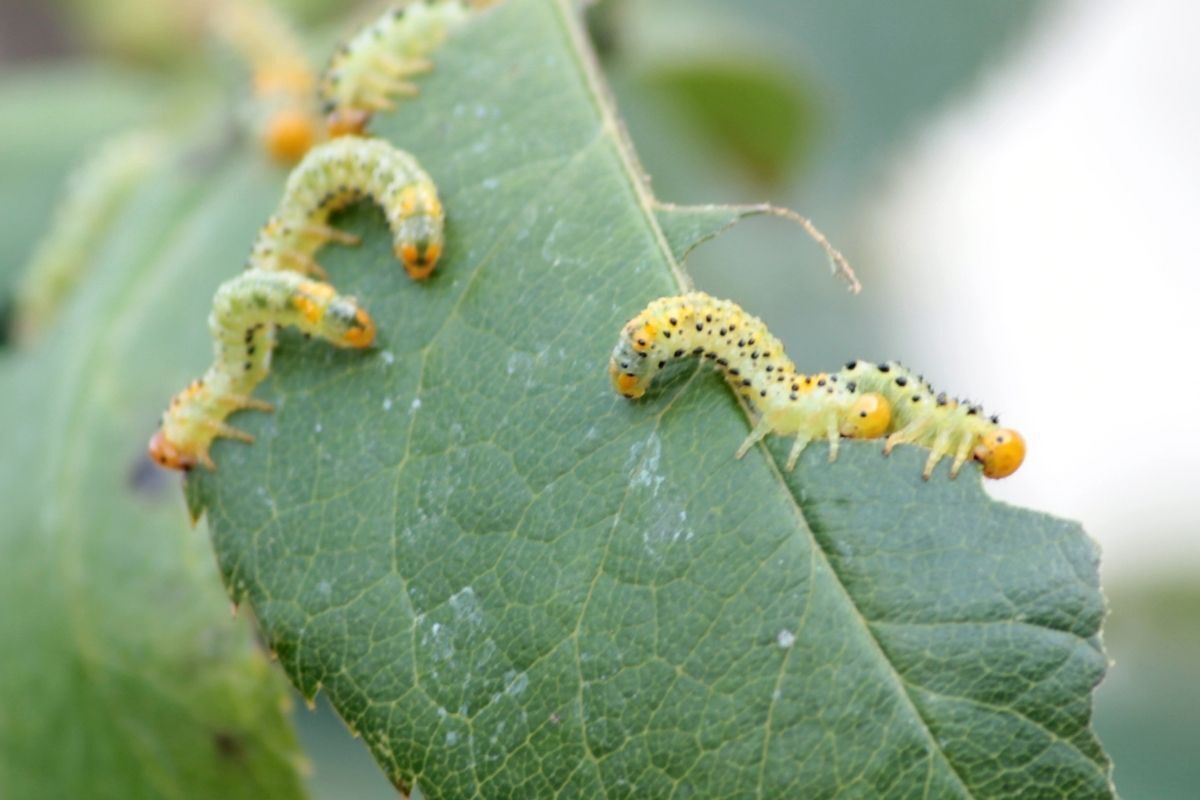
(562, 243)
(644, 460)
(318, 428)
(325, 588)
(785, 639)
(522, 365)
(387, 357)
(490, 183)
(387, 404)
(466, 607)
(451, 738)
(415, 405)
(515, 683)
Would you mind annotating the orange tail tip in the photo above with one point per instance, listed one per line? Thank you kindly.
(289, 135)
(363, 334)
(417, 263)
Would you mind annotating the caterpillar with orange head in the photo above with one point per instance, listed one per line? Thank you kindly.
(337, 173)
(373, 66)
(246, 312)
(285, 110)
(756, 366)
(863, 401)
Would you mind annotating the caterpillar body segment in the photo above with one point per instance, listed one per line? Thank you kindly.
(337, 173)
(373, 67)
(787, 402)
(246, 312)
(946, 426)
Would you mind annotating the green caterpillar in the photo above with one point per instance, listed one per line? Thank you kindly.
(95, 193)
(337, 173)
(863, 401)
(788, 402)
(370, 68)
(246, 311)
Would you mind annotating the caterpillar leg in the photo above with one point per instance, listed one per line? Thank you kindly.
(797, 448)
(247, 402)
(328, 233)
(834, 437)
(761, 429)
(906, 435)
(961, 455)
(402, 68)
(937, 451)
(227, 431)
(305, 264)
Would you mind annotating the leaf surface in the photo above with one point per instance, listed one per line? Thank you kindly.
(514, 583)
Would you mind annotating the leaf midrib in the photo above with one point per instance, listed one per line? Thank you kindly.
(568, 20)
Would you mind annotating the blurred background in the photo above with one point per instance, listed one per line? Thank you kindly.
(1016, 183)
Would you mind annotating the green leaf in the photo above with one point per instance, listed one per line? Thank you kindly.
(758, 114)
(122, 673)
(514, 583)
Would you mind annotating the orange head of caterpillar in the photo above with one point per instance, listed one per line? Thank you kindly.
(289, 134)
(346, 122)
(419, 257)
(868, 417)
(352, 326)
(1001, 452)
(166, 454)
(630, 367)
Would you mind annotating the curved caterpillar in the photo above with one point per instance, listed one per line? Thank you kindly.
(370, 68)
(862, 401)
(789, 403)
(246, 311)
(286, 113)
(336, 173)
(95, 193)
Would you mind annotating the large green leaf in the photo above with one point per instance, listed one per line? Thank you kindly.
(122, 674)
(514, 583)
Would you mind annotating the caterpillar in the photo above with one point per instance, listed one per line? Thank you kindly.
(947, 426)
(371, 67)
(336, 173)
(246, 311)
(286, 112)
(863, 401)
(95, 193)
(788, 403)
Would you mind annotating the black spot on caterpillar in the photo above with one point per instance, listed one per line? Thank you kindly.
(337, 173)
(246, 312)
(862, 401)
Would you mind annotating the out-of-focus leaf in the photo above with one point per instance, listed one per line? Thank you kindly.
(757, 114)
(55, 118)
(122, 674)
